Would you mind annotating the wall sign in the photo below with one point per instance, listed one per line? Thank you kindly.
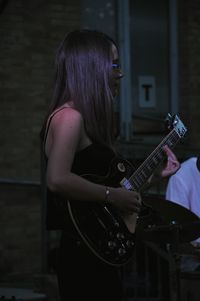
(147, 88)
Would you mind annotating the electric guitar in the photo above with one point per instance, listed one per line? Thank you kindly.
(108, 233)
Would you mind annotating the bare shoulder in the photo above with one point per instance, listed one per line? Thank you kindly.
(66, 117)
(65, 114)
(66, 127)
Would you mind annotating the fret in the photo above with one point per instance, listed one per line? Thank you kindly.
(140, 179)
(137, 184)
(143, 174)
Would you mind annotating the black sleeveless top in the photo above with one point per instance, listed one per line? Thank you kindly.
(94, 159)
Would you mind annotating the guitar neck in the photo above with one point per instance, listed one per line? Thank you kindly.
(145, 170)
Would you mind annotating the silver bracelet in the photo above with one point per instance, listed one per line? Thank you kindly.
(107, 195)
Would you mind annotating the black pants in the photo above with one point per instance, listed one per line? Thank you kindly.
(83, 276)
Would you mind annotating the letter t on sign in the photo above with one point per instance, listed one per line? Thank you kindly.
(147, 89)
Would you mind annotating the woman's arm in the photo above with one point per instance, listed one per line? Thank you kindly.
(67, 136)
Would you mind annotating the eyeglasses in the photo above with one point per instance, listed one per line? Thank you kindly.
(116, 66)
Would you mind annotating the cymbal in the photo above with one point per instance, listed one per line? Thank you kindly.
(169, 210)
(168, 222)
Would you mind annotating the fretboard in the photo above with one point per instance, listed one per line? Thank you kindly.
(142, 174)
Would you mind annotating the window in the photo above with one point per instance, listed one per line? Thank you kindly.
(147, 37)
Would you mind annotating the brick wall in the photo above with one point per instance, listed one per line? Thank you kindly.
(30, 32)
(189, 67)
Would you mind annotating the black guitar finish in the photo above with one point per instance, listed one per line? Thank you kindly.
(102, 227)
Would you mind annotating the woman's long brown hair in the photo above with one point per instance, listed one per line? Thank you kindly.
(83, 70)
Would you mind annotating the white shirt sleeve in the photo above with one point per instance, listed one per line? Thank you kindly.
(177, 191)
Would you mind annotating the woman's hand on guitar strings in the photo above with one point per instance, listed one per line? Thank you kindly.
(126, 200)
(171, 166)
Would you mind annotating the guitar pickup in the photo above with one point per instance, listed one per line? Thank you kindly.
(126, 184)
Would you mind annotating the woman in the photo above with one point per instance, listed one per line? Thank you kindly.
(79, 139)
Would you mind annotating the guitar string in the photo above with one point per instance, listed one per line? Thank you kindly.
(153, 161)
(144, 171)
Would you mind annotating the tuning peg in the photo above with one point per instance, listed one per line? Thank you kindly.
(169, 120)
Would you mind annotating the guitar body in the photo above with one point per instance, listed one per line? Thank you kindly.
(102, 227)
(108, 233)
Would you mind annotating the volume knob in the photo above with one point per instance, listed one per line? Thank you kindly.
(121, 251)
(111, 244)
(130, 243)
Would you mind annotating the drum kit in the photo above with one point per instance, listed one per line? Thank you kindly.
(170, 230)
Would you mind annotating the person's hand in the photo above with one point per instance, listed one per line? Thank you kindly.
(172, 163)
(126, 200)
